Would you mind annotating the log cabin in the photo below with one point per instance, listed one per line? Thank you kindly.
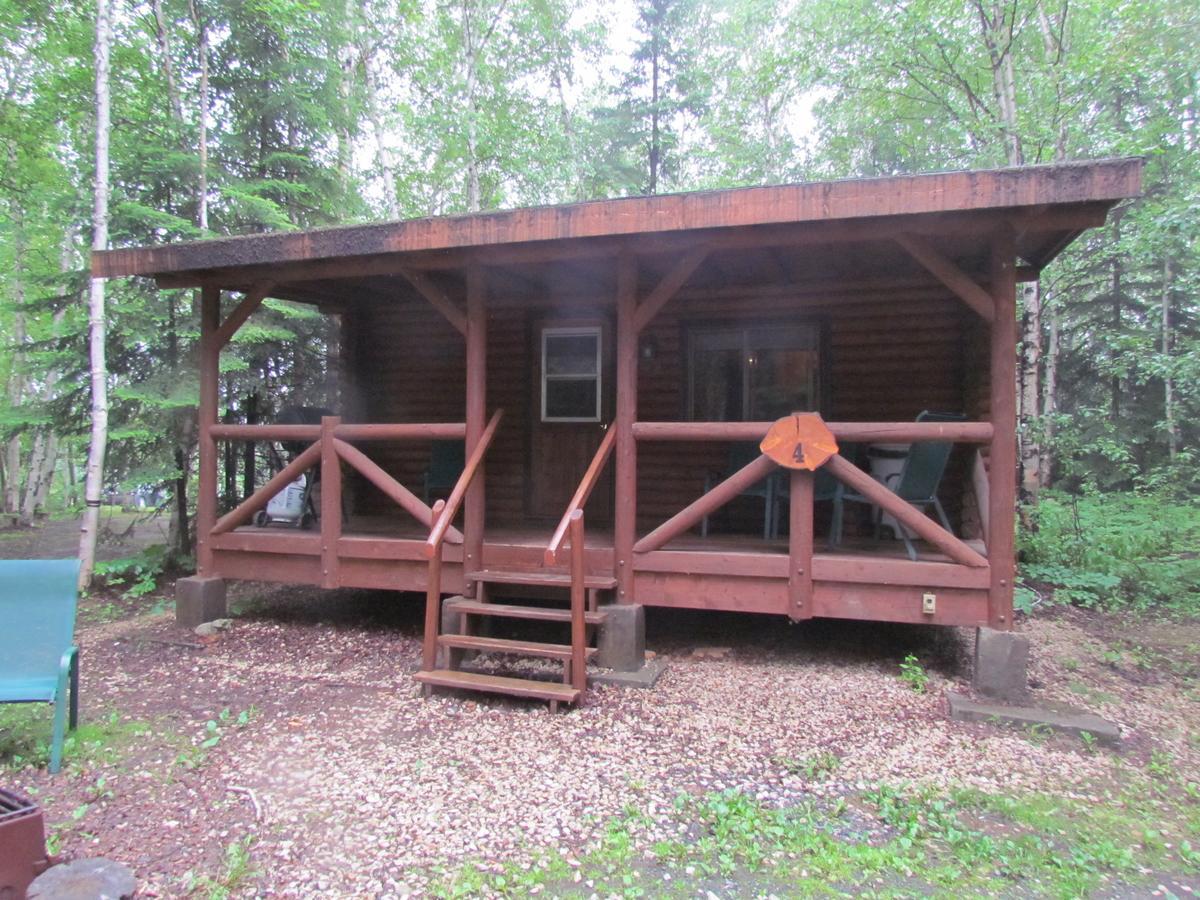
(619, 363)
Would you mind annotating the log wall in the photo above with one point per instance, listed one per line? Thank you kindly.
(887, 356)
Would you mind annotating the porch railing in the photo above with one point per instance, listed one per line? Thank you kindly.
(800, 541)
(443, 514)
(330, 448)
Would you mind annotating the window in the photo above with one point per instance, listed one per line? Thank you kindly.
(571, 374)
(753, 374)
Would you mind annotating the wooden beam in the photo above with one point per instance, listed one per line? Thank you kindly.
(854, 432)
(210, 364)
(475, 517)
(668, 287)
(1002, 458)
(395, 491)
(800, 546)
(948, 273)
(331, 503)
(236, 319)
(747, 476)
(908, 516)
(625, 511)
(979, 484)
(437, 297)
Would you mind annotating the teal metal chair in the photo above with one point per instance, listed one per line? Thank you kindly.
(740, 456)
(825, 487)
(918, 484)
(447, 459)
(40, 662)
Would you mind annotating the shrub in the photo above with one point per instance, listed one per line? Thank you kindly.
(1116, 550)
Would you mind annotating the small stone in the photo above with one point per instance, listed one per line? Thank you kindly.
(84, 879)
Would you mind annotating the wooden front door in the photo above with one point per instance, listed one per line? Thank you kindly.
(570, 409)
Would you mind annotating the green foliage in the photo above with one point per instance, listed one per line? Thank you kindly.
(913, 674)
(1116, 550)
(136, 575)
(25, 737)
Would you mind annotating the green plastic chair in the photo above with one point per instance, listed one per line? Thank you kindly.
(40, 661)
(447, 459)
(918, 483)
(740, 456)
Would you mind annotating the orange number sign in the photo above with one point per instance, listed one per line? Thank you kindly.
(800, 441)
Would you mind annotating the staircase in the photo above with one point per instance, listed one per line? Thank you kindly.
(581, 614)
(472, 610)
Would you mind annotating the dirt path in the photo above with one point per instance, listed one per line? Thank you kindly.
(121, 534)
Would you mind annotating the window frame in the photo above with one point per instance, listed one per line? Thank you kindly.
(817, 324)
(593, 331)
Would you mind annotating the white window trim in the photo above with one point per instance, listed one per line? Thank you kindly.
(580, 331)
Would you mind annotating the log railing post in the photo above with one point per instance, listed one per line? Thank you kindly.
(475, 516)
(331, 503)
(625, 512)
(433, 604)
(1002, 459)
(800, 546)
(578, 599)
(206, 497)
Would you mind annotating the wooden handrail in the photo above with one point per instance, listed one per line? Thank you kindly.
(582, 492)
(260, 498)
(442, 522)
(904, 513)
(963, 432)
(387, 431)
(747, 476)
(395, 491)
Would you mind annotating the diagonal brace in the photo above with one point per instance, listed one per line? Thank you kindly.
(437, 297)
(668, 287)
(948, 274)
(236, 319)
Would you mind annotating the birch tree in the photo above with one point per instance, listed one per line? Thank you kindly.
(94, 477)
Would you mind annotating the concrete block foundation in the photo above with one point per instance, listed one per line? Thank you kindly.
(622, 644)
(199, 600)
(1001, 665)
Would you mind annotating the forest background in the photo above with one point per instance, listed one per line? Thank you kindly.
(126, 123)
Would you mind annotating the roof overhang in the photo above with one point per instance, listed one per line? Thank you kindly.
(1046, 206)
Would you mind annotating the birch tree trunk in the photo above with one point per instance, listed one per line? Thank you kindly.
(383, 155)
(37, 460)
(94, 480)
(1168, 378)
(1049, 398)
(202, 117)
(46, 476)
(164, 49)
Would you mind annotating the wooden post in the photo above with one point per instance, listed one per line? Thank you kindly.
(625, 513)
(331, 503)
(433, 604)
(476, 419)
(1002, 474)
(800, 546)
(206, 497)
(578, 603)
(248, 447)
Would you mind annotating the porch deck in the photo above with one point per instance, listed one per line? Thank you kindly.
(861, 578)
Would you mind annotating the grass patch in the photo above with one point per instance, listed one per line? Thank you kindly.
(237, 868)
(25, 730)
(891, 841)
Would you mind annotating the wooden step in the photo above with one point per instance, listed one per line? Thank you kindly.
(509, 611)
(503, 645)
(498, 684)
(538, 577)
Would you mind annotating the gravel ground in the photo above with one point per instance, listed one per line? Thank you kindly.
(353, 785)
